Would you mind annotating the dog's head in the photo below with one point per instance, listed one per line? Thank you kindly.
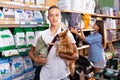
(63, 34)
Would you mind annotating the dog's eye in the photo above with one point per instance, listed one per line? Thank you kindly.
(58, 36)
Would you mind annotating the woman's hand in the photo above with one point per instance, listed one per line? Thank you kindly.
(73, 30)
(40, 59)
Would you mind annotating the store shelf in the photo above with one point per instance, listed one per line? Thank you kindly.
(71, 11)
(113, 40)
(83, 47)
(86, 30)
(113, 29)
(93, 14)
(22, 6)
(9, 25)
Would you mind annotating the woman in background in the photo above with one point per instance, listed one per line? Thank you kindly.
(97, 45)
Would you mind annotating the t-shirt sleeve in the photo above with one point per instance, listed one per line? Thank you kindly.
(92, 39)
(36, 38)
(71, 37)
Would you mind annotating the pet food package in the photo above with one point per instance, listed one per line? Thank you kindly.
(86, 6)
(107, 11)
(18, 1)
(29, 36)
(9, 14)
(40, 2)
(29, 70)
(74, 20)
(36, 31)
(4, 69)
(77, 5)
(92, 6)
(64, 4)
(19, 37)
(29, 75)
(19, 15)
(1, 15)
(37, 17)
(8, 53)
(29, 2)
(29, 17)
(17, 66)
(21, 77)
(27, 63)
(46, 17)
(6, 39)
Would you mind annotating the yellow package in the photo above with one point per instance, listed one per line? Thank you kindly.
(86, 19)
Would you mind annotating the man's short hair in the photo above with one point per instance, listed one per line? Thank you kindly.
(53, 7)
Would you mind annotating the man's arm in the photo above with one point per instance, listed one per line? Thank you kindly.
(75, 56)
(39, 59)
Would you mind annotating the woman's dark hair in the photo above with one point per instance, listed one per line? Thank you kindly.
(101, 30)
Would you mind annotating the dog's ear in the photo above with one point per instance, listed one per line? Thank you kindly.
(65, 33)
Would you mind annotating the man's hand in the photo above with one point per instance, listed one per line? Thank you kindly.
(40, 59)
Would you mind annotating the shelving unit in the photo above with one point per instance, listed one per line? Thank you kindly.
(113, 40)
(22, 6)
(9, 24)
(44, 8)
(83, 47)
(93, 14)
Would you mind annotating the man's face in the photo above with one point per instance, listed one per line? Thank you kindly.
(54, 16)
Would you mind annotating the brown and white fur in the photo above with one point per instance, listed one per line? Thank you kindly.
(64, 45)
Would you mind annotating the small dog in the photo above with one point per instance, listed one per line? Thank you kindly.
(64, 46)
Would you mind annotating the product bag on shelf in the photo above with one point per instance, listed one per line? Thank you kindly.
(77, 5)
(29, 69)
(4, 69)
(6, 39)
(29, 36)
(74, 20)
(40, 2)
(1, 15)
(9, 14)
(27, 63)
(19, 37)
(29, 2)
(18, 1)
(17, 66)
(28, 17)
(64, 4)
(92, 6)
(37, 17)
(19, 16)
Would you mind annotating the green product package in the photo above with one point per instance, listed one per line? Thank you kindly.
(6, 39)
(19, 37)
(29, 36)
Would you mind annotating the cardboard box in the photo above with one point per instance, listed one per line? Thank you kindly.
(80, 52)
(86, 51)
(51, 2)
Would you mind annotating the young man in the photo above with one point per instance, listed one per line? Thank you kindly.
(54, 67)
